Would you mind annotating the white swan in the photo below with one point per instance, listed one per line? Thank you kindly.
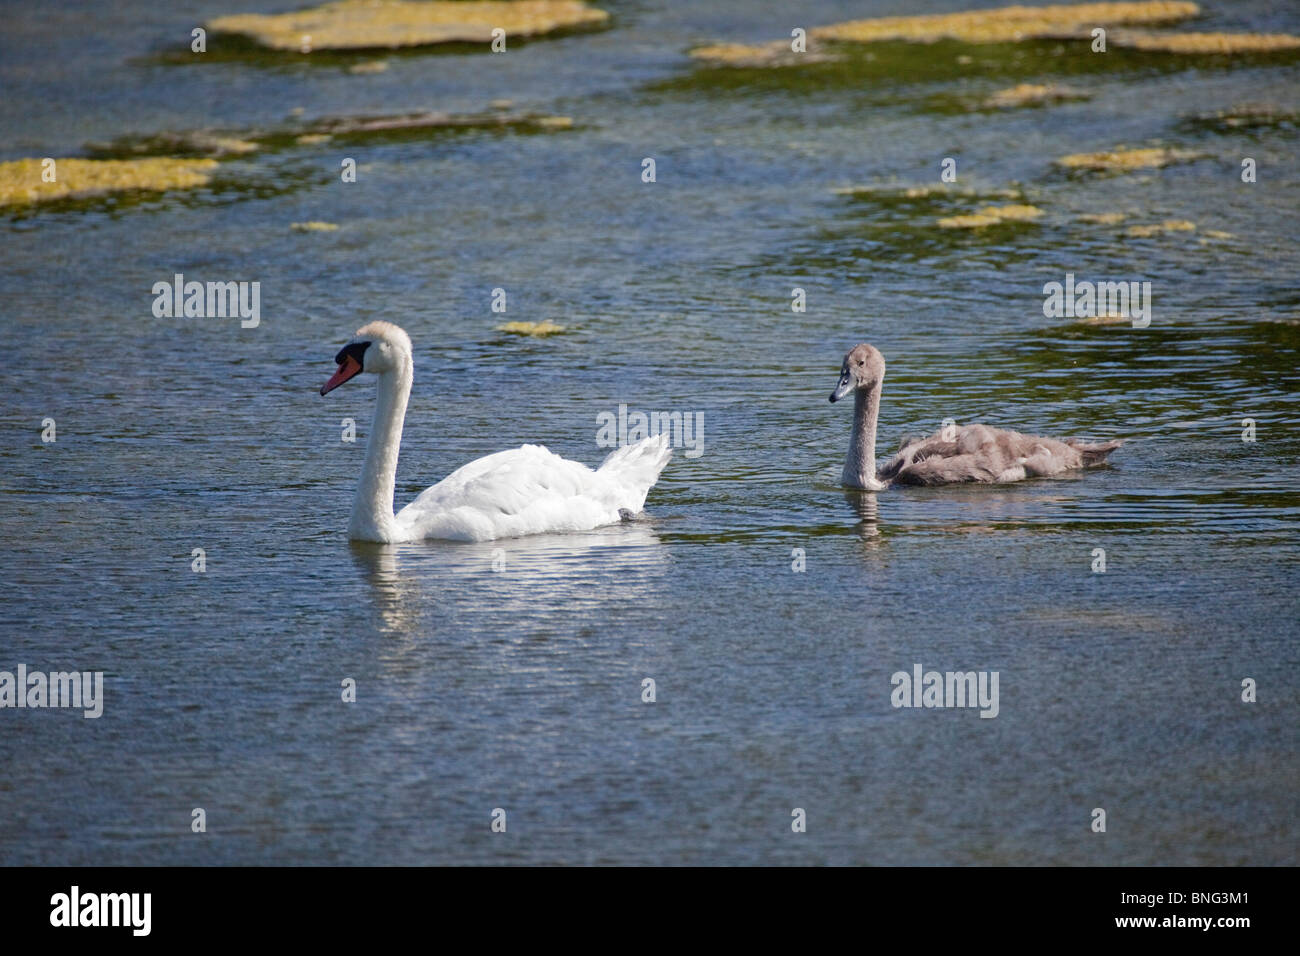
(526, 490)
(966, 453)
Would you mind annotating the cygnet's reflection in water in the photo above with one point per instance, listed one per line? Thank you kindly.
(517, 577)
(867, 508)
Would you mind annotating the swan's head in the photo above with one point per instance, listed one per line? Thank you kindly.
(378, 347)
(863, 368)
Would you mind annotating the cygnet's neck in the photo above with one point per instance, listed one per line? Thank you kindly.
(372, 508)
(860, 463)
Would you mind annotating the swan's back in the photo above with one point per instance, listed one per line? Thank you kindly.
(980, 453)
(530, 489)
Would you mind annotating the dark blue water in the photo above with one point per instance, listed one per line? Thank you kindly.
(521, 689)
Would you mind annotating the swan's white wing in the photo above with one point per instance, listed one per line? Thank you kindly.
(526, 490)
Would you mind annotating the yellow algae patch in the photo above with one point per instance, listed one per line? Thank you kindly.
(1021, 212)
(991, 216)
(311, 139)
(1007, 24)
(973, 221)
(1000, 25)
(1126, 159)
(1159, 228)
(1109, 318)
(20, 180)
(314, 225)
(537, 329)
(1206, 43)
(225, 144)
(369, 66)
(925, 192)
(1103, 218)
(1033, 94)
(741, 54)
(390, 24)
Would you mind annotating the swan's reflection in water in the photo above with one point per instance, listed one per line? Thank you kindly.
(513, 580)
(867, 508)
(394, 603)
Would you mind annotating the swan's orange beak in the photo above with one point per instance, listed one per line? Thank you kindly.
(347, 369)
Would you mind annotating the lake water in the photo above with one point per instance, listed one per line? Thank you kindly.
(521, 688)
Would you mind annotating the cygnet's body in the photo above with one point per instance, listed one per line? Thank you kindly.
(950, 456)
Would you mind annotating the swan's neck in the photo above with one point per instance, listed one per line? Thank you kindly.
(860, 464)
(372, 508)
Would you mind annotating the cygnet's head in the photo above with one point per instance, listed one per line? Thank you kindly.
(863, 368)
(378, 347)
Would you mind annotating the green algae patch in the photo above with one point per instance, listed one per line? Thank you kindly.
(533, 329)
(210, 143)
(21, 182)
(393, 24)
(1033, 94)
(427, 121)
(761, 55)
(232, 144)
(1127, 160)
(1001, 25)
(1245, 117)
(892, 193)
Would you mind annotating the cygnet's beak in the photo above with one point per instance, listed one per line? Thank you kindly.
(845, 386)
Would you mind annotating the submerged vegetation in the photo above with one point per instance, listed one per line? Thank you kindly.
(1001, 25)
(220, 144)
(1125, 25)
(1004, 51)
(1246, 116)
(177, 160)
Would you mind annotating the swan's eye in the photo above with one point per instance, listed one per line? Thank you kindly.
(356, 350)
